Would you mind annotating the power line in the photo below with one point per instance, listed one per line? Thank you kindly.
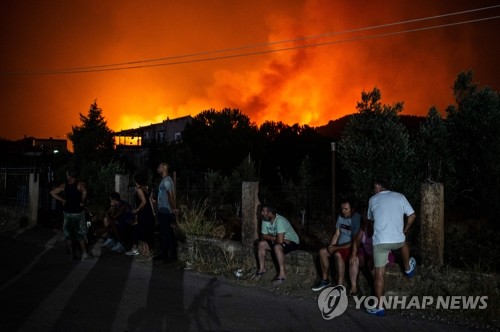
(140, 63)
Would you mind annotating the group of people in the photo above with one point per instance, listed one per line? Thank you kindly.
(356, 243)
(129, 229)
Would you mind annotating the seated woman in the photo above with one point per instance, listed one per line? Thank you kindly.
(362, 255)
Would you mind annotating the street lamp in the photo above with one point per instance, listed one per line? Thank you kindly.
(334, 203)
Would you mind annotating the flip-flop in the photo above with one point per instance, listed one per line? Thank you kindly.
(278, 281)
(257, 275)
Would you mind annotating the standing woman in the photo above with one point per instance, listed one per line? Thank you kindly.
(145, 217)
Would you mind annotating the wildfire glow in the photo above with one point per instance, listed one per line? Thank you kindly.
(310, 85)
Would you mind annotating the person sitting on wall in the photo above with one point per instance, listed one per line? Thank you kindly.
(362, 256)
(277, 237)
(348, 223)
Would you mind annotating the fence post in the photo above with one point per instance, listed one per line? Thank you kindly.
(34, 185)
(249, 218)
(121, 186)
(432, 224)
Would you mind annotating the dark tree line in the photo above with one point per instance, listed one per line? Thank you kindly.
(222, 148)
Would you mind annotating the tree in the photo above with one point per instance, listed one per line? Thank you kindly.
(473, 125)
(92, 141)
(286, 146)
(434, 158)
(375, 145)
(220, 139)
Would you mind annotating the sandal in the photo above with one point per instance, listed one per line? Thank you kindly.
(278, 281)
(257, 275)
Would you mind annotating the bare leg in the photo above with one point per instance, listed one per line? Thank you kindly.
(405, 255)
(340, 267)
(280, 257)
(379, 283)
(324, 259)
(353, 273)
(83, 246)
(70, 246)
(145, 249)
(261, 253)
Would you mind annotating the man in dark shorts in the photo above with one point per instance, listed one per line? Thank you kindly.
(278, 237)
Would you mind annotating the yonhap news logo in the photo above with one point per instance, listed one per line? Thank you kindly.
(451, 302)
(332, 302)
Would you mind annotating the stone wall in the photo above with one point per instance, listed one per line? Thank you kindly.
(225, 257)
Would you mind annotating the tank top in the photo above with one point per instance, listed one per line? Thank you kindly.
(73, 198)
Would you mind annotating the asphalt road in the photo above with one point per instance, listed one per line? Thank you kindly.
(41, 289)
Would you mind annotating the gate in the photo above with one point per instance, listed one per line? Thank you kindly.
(23, 194)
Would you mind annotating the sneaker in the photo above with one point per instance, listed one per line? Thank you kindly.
(118, 248)
(132, 252)
(380, 312)
(85, 257)
(109, 243)
(320, 285)
(413, 264)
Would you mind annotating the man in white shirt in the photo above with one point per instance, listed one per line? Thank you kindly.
(387, 209)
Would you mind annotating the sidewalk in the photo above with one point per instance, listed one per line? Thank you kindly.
(396, 282)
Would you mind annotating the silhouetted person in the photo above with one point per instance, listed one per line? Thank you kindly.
(73, 196)
(166, 207)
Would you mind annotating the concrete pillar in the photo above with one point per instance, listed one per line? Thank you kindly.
(432, 224)
(121, 186)
(34, 185)
(249, 209)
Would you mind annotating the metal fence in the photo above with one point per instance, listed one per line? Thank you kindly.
(14, 184)
(15, 192)
(308, 206)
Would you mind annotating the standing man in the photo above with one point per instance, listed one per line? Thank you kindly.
(166, 215)
(387, 209)
(346, 229)
(277, 236)
(73, 196)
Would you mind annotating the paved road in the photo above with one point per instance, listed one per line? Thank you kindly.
(42, 290)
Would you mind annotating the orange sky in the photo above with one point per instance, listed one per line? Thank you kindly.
(311, 85)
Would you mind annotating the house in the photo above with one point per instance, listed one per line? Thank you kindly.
(30, 151)
(48, 145)
(134, 144)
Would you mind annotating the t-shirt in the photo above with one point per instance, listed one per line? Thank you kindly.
(280, 225)
(387, 209)
(166, 185)
(348, 228)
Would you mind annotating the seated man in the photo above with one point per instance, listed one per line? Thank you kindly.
(278, 237)
(348, 223)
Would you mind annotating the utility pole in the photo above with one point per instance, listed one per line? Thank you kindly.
(334, 203)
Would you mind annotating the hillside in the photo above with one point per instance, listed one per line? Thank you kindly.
(333, 129)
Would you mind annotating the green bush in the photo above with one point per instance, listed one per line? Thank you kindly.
(198, 220)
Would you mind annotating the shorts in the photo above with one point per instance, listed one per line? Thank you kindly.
(75, 226)
(381, 252)
(345, 253)
(287, 247)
